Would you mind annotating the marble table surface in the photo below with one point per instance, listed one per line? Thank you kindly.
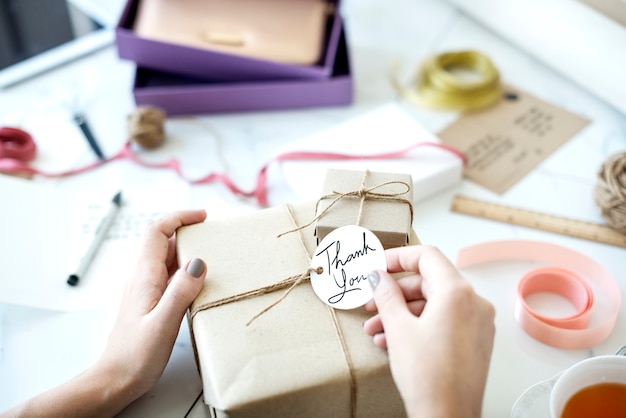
(40, 348)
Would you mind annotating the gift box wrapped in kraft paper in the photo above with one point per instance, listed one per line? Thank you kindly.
(380, 202)
(300, 358)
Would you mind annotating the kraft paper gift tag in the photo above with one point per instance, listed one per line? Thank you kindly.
(505, 142)
(290, 361)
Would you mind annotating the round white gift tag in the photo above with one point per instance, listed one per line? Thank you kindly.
(346, 256)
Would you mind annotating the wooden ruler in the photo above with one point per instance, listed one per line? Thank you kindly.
(537, 220)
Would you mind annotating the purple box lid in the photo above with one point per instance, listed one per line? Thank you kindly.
(180, 95)
(212, 65)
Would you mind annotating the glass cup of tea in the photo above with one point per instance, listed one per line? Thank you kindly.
(593, 387)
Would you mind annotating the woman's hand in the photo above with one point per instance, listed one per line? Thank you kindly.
(153, 305)
(439, 333)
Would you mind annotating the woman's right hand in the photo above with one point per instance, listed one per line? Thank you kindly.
(439, 333)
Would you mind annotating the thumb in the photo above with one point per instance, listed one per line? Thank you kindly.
(182, 289)
(390, 301)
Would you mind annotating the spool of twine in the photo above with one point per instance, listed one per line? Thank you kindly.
(610, 191)
(146, 126)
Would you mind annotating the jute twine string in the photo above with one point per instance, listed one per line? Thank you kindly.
(290, 283)
(146, 126)
(362, 194)
(610, 191)
(346, 354)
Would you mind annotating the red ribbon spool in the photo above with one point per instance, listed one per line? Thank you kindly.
(17, 144)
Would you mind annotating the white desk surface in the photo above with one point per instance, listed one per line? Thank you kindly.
(40, 348)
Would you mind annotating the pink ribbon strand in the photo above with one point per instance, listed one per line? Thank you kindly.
(260, 192)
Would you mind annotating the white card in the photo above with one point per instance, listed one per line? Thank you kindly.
(346, 257)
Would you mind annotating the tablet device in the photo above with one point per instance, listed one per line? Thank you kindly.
(37, 35)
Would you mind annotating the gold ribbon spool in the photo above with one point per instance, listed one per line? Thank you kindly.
(442, 85)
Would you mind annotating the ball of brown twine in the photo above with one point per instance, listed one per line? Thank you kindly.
(146, 126)
(610, 191)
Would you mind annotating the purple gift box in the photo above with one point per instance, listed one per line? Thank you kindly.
(201, 63)
(181, 95)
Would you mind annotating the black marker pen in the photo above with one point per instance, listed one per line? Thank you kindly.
(101, 232)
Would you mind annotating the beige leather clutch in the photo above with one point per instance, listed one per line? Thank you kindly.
(288, 31)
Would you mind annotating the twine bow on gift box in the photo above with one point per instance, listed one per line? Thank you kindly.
(363, 194)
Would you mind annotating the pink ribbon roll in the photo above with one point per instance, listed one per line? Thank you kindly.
(573, 283)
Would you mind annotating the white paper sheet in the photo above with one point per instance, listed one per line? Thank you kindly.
(46, 229)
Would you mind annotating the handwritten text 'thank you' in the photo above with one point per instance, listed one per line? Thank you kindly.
(338, 262)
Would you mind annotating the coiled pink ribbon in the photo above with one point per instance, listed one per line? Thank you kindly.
(570, 279)
(18, 166)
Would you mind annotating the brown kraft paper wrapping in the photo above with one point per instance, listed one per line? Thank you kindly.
(380, 202)
(289, 362)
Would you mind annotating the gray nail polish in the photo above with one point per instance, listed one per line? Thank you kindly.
(195, 267)
(373, 278)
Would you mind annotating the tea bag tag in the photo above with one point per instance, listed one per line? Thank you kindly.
(346, 255)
